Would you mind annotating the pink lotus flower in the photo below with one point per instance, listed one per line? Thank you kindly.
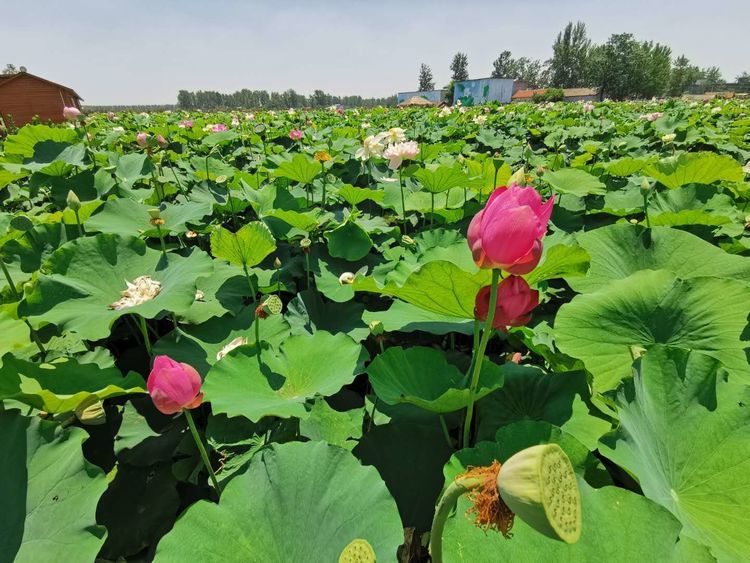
(296, 134)
(399, 152)
(219, 127)
(111, 115)
(515, 301)
(161, 141)
(185, 124)
(71, 113)
(174, 386)
(141, 139)
(507, 234)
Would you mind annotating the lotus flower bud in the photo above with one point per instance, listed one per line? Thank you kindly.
(358, 551)
(161, 141)
(347, 278)
(376, 328)
(73, 202)
(538, 484)
(71, 113)
(277, 263)
(174, 386)
(141, 140)
(669, 137)
(91, 412)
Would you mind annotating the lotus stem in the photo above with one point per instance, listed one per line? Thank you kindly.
(479, 357)
(202, 450)
(445, 506)
(144, 332)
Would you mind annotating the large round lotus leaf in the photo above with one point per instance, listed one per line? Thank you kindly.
(84, 277)
(531, 394)
(683, 434)
(618, 526)
(222, 291)
(296, 503)
(128, 217)
(349, 241)
(575, 181)
(198, 345)
(606, 329)
(695, 168)
(617, 251)
(422, 377)
(61, 386)
(279, 383)
(49, 493)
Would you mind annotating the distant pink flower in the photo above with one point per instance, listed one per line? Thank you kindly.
(219, 127)
(71, 113)
(507, 234)
(141, 139)
(174, 386)
(296, 134)
(185, 124)
(588, 107)
(161, 141)
(111, 115)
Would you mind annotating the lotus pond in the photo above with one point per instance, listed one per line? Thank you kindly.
(514, 333)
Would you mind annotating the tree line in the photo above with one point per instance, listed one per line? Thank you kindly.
(622, 68)
(208, 99)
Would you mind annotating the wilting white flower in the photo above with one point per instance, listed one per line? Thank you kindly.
(445, 110)
(141, 290)
(249, 116)
(480, 119)
(588, 107)
(235, 121)
(394, 135)
(651, 116)
(371, 146)
(271, 113)
(366, 125)
(669, 137)
(118, 129)
(716, 109)
(746, 168)
(199, 295)
(236, 343)
(290, 111)
(461, 109)
(397, 153)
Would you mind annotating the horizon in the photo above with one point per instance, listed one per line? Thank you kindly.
(151, 52)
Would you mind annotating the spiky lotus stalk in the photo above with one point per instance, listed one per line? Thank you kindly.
(358, 551)
(538, 484)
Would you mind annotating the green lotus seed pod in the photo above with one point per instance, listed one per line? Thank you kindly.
(91, 412)
(273, 305)
(305, 242)
(72, 200)
(221, 179)
(538, 484)
(358, 551)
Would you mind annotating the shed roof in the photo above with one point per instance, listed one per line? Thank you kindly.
(527, 94)
(416, 101)
(9, 78)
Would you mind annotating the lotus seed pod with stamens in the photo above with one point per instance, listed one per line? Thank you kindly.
(273, 305)
(358, 551)
(538, 484)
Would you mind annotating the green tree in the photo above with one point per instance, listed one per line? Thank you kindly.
(570, 51)
(657, 70)
(683, 75)
(426, 81)
(743, 78)
(712, 75)
(528, 70)
(460, 67)
(9, 69)
(503, 66)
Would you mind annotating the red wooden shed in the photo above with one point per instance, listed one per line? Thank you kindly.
(24, 96)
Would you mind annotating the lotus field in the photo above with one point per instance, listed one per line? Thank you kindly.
(503, 333)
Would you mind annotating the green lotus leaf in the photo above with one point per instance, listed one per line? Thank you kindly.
(266, 513)
(130, 168)
(49, 491)
(301, 168)
(575, 182)
(437, 179)
(62, 385)
(335, 427)
(654, 307)
(23, 142)
(221, 292)
(247, 247)
(84, 278)
(403, 317)
(349, 241)
(617, 251)
(683, 434)
(695, 168)
(279, 383)
(354, 195)
(15, 332)
(422, 377)
(128, 217)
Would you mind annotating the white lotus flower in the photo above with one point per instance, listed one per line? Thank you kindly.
(371, 146)
(394, 135)
(480, 119)
(444, 111)
(746, 168)
(669, 137)
(141, 290)
(236, 343)
(397, 153)
(716, 109)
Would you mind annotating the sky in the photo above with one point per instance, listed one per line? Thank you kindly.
(145, 51)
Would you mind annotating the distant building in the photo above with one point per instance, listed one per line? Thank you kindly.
(570, 94)
(429, 95)
(483, 90)
(24, 96)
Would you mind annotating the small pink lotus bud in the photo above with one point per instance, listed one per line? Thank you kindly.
(174, 386)
(142, 139)
(71, 113)
(161, 141)
(295, 134)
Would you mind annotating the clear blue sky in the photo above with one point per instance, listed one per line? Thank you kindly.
(144, 51)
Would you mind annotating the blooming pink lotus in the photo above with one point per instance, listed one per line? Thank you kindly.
(296, 134)
(174, 386)
(71, 113)
(397, 153)
(515, 301)
(219, 127)
(185, 124)
(141, 139)
(507, 234)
